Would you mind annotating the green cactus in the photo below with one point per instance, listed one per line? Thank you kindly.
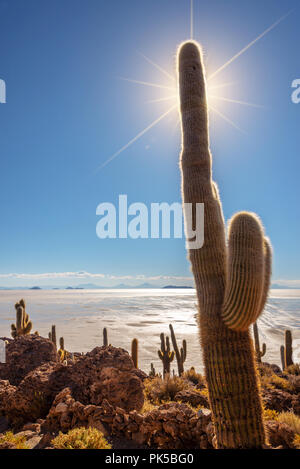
(152, 371)
(62, 352)
(23, 324)
(134, 352)
(282, 357)
(287, 350)
(52, 335)
(105, 340)
(259, 353)
(180, 354)
(232, 279)
(165, 354)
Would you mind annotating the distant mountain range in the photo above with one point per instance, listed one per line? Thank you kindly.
(92, 286)
(123, 286)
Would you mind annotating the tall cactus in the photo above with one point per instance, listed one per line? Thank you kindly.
(180, 354)
(286, 350)
(105, 340)
(232, 280)
(259, 353)
(165, 354)
(134, 352)
(23, 324)
(282, 357)
(52, 335)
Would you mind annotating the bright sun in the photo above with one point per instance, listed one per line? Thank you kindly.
(169, 93)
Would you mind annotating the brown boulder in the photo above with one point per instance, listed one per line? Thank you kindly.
(24, 354)
(280, 434)
(192, 397)
(278, 400)
(106, 373)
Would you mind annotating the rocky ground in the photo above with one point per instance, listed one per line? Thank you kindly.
(40, 396)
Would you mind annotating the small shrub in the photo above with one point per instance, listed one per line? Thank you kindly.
(292, 420)
(195, 378)
(18, 441)
(147, 407)
(275, 382)
(270, 414)
(293, 369)
(81, 438)
(297, 441)
(158, 390)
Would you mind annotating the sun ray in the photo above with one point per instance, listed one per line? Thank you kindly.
(158, 100)
(248, 46)
(222, 85)
(158, 67)
(229, 100)
(192, 20)
(134, 139)
(225, 118)
(146, 83)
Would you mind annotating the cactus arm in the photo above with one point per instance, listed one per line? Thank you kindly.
(245, 271)
(227, 354)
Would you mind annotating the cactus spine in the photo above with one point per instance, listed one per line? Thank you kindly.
(165, 354)
(232, 280)
(134, 352)
(259, 353)
(180, 354)
(23, 324)
(105, 340)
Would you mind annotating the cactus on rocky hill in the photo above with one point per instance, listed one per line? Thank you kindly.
(232, 279)
(134, 352)
(165, 354)
(52, 335)
(286, 351)
(180, 354)
(259, 353)
(23, 324)
(61, 351)
(105, 340)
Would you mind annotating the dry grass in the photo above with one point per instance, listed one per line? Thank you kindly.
(292, 420)
(293, 369)
(147, 407)
(81, 438)
(195, 378)
(270, 414)
(158, 390)
(19, 442)
(275, 382)
(297, 441)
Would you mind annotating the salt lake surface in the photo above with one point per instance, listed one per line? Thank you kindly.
(80, 315)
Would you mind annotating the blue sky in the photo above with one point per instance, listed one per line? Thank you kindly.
(68, 111)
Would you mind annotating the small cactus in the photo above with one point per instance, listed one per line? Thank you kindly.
(23, 324)
(287, 350)
(152, 371)
(165, 355)
(259, 353)
(52, 335)
(180, 354)
(105, 340)
(134, 352)
(62, 352)
(282, 357)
